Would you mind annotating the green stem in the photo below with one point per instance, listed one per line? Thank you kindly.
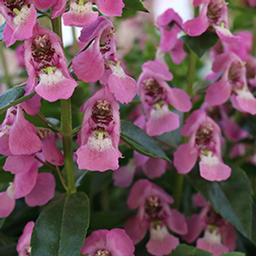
(66, 128)
(254, 36)
(191, 74)
(7, 77)
(179, 182)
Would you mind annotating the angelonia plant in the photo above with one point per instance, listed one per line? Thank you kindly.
(135, 139)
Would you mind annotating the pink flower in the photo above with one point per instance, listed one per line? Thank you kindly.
(57, 6)
(50, 152)
(232, 84)
(17, 135)
(80, 14)
(97, 61)
(46, 66)
(152, 168)
(231, 129)
(37, 188)
(251, 71)
(251, 3)
(170, 25)
(100, 133)
(108, 242)
(218, 235)
(20, 19)
(213, 13)
(23, 246)
(20, 55)
(109, 7)
(154, 215)
(156, 96)
(204, 142)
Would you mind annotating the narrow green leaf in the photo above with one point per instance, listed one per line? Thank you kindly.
(10, 96)
(62, 226)
(186, 250)
(140, 141)
(13, 97)
(132, 6)
(232, 199)
(200, 44)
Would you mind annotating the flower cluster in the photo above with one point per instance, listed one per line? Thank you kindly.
(176, 126)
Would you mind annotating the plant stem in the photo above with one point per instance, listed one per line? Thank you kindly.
(179, 182)
(66, 128)
(6, 75)
(254, 36)
(191, 74)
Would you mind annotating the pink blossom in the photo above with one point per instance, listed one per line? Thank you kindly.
(170, 25)
(213, 13)
(251, 71)
(80, 14)
(232, 84)
(251, 3)
(154, 215)
(156, 96)
(204, 142)
(100, 133)
(23, 246)
(46, 66)
(152, 168)
(109, 7)
(20, 55)
(50, 152)
(108, 242)
(20, 19)
(57, 6)
(231, 129)
(218, 235)
(97, 61)
(37, 188)
(17, 135)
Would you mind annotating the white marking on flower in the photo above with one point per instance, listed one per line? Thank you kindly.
(245, 93)
(212, 235)
(158, 231)
(208, 158)
(10, 190)
(159, 110)
(51, 78)
(80, 8)
(117, 70)
(21, 16)
(4, 130)
(99, 141)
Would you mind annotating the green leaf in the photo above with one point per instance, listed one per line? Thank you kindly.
(132, 6)
(200, 44)
(13, 97)
(232, 199)
(186, 250)
(62, 226)
(140, 141)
